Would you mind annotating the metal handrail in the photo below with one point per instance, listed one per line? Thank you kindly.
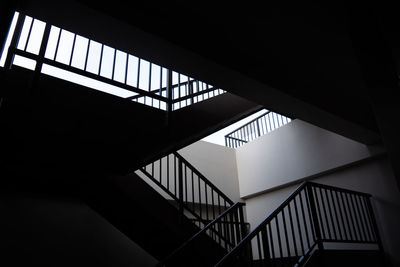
(327, 214)
(152, 93)
(255, 128)
(224, 239)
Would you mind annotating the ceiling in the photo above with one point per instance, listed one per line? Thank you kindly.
(310, 51)
(324, 63)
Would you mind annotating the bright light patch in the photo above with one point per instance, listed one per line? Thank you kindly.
(36, 36)
(24, 62)
(8, 39)
(86, 81)
(79, 53)
(107, 61)
(65, 47)
(93, 60)
(24, 33)
(52, 43)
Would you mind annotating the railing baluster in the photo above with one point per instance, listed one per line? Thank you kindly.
(318, 237)
(285, 232)
(325, 214)
(304, 219)
(353, 228)
(364, 234)
(336, 216)
(298, 225)
(355, 218)
(341, 214)
(292, 230)
(365, 219)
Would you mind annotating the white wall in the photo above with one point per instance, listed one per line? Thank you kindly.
(294, 152)
(374, 177)
(217, 163)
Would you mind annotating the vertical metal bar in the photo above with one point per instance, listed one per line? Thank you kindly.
(364, 234)
(351, 217)
(206, 196)
(101, 59)
(355, 217)
(292, 229)
(336, 215)
(14, 41)
(72, 51)
(258, 128)
(298, 225)
(180, 178)
(365, 219)
(113, 64)
(160, 170)
(271, 240)
(259, 249)
(42, 49)
(186, 185)
(286, 232)
(87, 57)
(29, 34)
(346, 216)
(267, 256)
(126, 68)
(138, 74)
(314, 215)
(374, 224)
(322, 229)
(194, 209)
(330, 213)
(58, 44)
(167, 172)
(279, 237)
(341, 216)
(304, 219)
(200, 209)
(325, 213)
(169, 95)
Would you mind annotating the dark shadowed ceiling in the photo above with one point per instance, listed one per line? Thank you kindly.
(311, 51)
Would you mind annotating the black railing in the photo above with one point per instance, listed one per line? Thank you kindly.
(134, 78)
(257, 127)
(194, 195)
(227, 230)
(311, 216)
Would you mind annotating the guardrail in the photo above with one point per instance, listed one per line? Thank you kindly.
(257, 127)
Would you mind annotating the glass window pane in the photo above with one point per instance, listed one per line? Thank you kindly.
(24, 33)
(93, 61)
(79, 53)
(52, 43)
(65, 47)
(132, 71)
(144, 74)
(35, 39)
(107, 62)
(120, 66)
(155, 77)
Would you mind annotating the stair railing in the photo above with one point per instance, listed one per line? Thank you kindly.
(48, 49)
(263, 124)
(194, 195)
(227, 230)
(313, 215)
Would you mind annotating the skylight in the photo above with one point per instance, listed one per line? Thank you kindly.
(77, 59)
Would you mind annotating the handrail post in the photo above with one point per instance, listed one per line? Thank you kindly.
(169, 96)
(180, 179)
(314, 217)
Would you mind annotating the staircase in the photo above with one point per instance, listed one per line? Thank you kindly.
(312, 228)
(92, 142)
